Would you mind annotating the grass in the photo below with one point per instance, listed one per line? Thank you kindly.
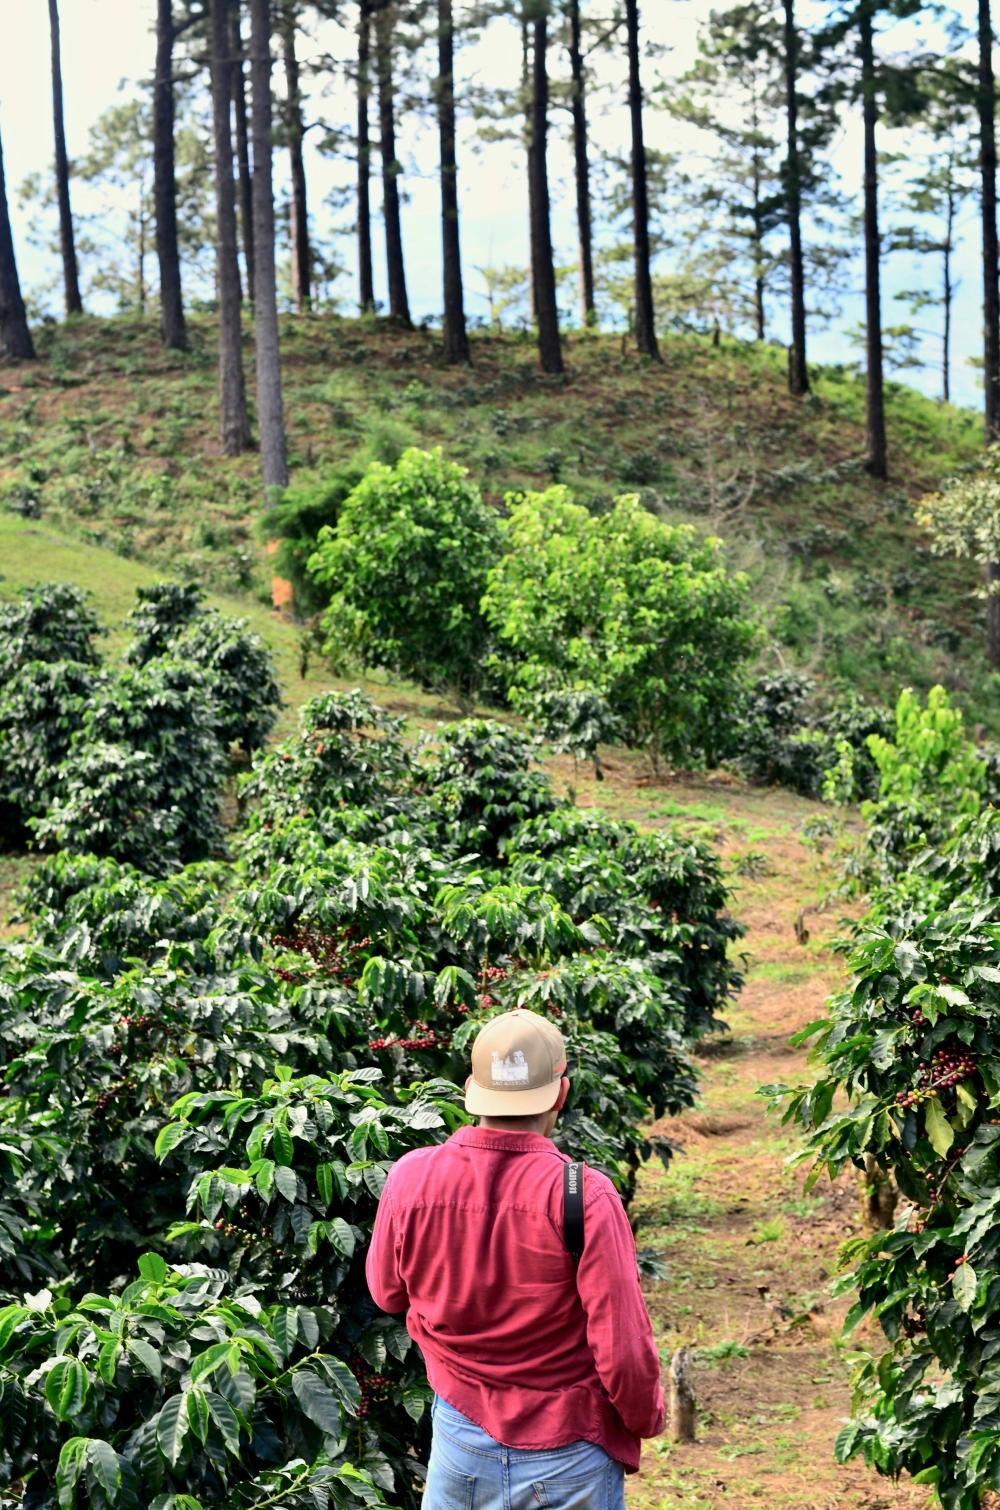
(114, 441)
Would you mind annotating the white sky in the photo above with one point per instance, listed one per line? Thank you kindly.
(106, 42)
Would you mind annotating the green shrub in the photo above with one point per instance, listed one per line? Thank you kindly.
(643, 613)
(111, 804)
(165, 711)
(241, 674)
(51, 622)
(781, 739)
(162, 612)
(309, 505)
(406, 568)
(42, 706)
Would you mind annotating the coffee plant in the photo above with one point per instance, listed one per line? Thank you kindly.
(908, 1089)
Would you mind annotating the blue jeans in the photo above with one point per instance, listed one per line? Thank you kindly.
(470, 1470)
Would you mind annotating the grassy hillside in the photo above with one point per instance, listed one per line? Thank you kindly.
(110, 440)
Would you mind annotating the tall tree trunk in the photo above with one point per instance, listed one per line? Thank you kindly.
(875, 447)
(366, 276)
(456, 339)
(242, 143)
(71, 277)
(270, 411)
(15, 337)
(172, 330)
(399, 305)
(947, 293)
(988, 169)
(234, 426)
(798, 373)
(581, 164)
(546, 308)
(526, 96)
(645, 322)
(295, 130)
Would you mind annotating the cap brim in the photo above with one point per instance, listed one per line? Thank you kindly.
(483, 1101)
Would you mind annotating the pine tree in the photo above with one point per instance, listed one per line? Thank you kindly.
(986, 104)
(399, 306)
(798, 371)
(366, 277)
(233, 423)
(242, 143)
(67, 244)
(15, 337)
(295, 133)
(581, 167)
(645, 319)
(544, 277)
(456, 340)
(172, 327)
(270, 410)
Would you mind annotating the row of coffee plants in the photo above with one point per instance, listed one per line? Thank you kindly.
(909, 1091)
(211, 1066)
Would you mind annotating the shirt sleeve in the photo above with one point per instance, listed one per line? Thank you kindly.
(382, 1262)
(619, 1330)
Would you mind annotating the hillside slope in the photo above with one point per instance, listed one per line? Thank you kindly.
(112, 440)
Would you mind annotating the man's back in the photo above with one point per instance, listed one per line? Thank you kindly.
(535, 1351)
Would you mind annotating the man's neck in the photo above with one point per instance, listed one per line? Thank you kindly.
(539, 1125)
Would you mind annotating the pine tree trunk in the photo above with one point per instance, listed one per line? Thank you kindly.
(234, 427)
(399, 306)
(172, 329)
(798, 373)
(546, 308)
(645, 320)
(988, 169)
(242, 143)
(581, 164)
(456, 339)
(947, 295)
(71, 277)
(15, 337)
(993, 614)
(298, 217)
(875, 447)
(270, 411)
(681, 1397)
(366, 276)
(532, 209)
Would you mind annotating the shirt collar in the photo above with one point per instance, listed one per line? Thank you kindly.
(498, 1139)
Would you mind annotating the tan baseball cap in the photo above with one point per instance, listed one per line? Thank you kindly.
(518, 1060)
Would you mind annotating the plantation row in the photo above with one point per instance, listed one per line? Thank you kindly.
(212, 1062)
(915, 1043)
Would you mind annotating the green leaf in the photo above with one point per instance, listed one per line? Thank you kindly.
(198, 1413)
(68, 1470)
(263, 1173)
(169, 1137)
(317, 1400)
(416, 1398)
(104, 1467)
(146, 1355)
(107, 1361)
(963, 1286)
(225, 1419)
(207, 1362)
(343, 1381)
(940, 1133)
(66, 1387)
(324, 1182)
(281, 1145)
(846, 1441)
(372, 1348)
(285, 1180)
(172, 1428)
(153, 1268)
(341, 1236)
(285, 1323)
(10, 1319)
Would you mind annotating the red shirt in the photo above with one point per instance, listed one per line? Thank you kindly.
(469, 1236)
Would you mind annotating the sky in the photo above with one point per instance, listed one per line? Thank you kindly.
(108, 51)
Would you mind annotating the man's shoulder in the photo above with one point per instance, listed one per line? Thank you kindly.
(415, 1164)
(598, 1187)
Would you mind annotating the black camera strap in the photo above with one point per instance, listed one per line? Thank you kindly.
(573, 1210)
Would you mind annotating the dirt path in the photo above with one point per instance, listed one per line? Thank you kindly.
(749, 1258)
